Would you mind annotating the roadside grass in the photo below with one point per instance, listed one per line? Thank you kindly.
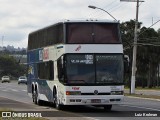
(143, 96)
(16, 118)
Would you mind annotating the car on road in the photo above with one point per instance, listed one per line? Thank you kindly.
(22, 79)
(5, 79)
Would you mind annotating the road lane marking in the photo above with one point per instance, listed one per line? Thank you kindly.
(153, 109)
(3, 103)
(92, 118)
(14, 90)
(4, 90)
(2, 87)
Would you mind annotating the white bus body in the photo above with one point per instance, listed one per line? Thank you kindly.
(50, 68)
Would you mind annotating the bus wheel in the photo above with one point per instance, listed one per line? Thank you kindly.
(34, 96)
(107, 107)
(57, 103)
(36, 99)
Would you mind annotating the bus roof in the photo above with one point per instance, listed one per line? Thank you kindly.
(78, 21)
(90, 21)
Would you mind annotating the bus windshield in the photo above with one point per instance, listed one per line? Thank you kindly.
(94, 68)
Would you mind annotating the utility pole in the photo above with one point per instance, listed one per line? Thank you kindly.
(2, 42)
(134, 68)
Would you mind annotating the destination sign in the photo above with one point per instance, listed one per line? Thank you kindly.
(86, 59)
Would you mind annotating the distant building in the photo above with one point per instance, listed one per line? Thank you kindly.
(11, 48)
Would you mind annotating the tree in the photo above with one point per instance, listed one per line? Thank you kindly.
(148, 55)
(148, 59)
(158, 31)
(9, 66)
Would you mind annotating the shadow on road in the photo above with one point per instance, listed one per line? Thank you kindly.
(11, 104)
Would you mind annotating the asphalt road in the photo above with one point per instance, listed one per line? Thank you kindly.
(15, 97)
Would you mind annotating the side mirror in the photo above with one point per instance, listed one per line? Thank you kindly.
(62, 61)
(126, 63)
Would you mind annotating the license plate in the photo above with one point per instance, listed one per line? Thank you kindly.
(95, 101)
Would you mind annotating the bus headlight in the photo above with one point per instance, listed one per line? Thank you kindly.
(73, 92)
(117, 92)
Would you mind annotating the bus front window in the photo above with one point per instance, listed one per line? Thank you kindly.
(109, 68)
(80, 68)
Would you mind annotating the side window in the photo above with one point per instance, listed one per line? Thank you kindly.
(51, 70)
(46, 70)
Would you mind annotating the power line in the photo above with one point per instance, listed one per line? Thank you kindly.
(149, 39)
(148, 44)
(117, 7)
(142, 44)
(94, 7)
(149, 27)
(110, 3)
(105, 8)
(114, 8)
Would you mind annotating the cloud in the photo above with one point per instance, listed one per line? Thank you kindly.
(20, 17)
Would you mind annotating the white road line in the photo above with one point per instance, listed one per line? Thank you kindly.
(5, 90)
(2, 87)
(14, 90)
(92, 118)
(24, 90)
(153, 109)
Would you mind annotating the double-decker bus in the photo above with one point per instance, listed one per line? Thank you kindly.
(76, 63)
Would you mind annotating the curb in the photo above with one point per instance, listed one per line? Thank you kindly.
(144, 98)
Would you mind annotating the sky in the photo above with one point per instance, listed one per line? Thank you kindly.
(20, 17)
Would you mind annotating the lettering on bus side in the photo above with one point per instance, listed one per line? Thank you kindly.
(75, 88)
(44, 54)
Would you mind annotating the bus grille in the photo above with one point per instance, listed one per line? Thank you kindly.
(96, 94)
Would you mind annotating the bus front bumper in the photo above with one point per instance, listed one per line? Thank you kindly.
(93, 100)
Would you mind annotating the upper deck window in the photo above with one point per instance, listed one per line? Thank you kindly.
(47, 36)
(93, 33)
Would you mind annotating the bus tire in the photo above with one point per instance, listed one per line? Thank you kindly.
(54, 97)
(57, 103)
(107, 107)
(36, 99)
